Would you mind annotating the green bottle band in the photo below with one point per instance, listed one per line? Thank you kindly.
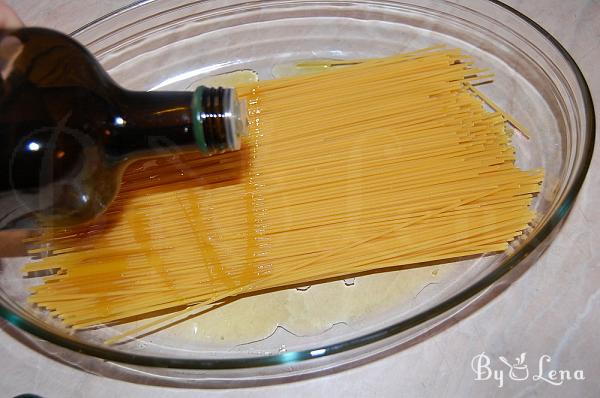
(197, 120)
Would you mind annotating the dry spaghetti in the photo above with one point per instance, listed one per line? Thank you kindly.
(372, 165)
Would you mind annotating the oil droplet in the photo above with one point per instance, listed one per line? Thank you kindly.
(229, 79)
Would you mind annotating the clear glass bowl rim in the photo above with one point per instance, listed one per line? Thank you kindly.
(462, 297)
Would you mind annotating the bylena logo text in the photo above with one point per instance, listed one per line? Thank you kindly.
(519, 370)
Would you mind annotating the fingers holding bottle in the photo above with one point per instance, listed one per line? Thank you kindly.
(8, 17)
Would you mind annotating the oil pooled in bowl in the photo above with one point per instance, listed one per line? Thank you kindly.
(311, 311)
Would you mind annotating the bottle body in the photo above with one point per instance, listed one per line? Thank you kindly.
(67, 130)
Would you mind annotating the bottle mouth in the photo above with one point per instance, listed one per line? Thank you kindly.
(236, 119)
(219, 119)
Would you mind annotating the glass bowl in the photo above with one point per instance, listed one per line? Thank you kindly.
(285, 335)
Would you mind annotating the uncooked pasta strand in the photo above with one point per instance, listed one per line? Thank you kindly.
(365, 166)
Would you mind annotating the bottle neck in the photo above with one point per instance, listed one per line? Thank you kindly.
(150, 124)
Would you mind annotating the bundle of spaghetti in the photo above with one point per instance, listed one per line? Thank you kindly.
(360, 168)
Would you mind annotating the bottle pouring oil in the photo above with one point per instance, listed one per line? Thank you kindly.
(67, 130)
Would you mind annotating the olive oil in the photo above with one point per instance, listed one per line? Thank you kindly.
(67, 130)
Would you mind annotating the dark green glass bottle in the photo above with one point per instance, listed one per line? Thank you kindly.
(67, 130)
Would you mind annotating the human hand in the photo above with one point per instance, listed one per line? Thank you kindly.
(8, 18)
(11, 242)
